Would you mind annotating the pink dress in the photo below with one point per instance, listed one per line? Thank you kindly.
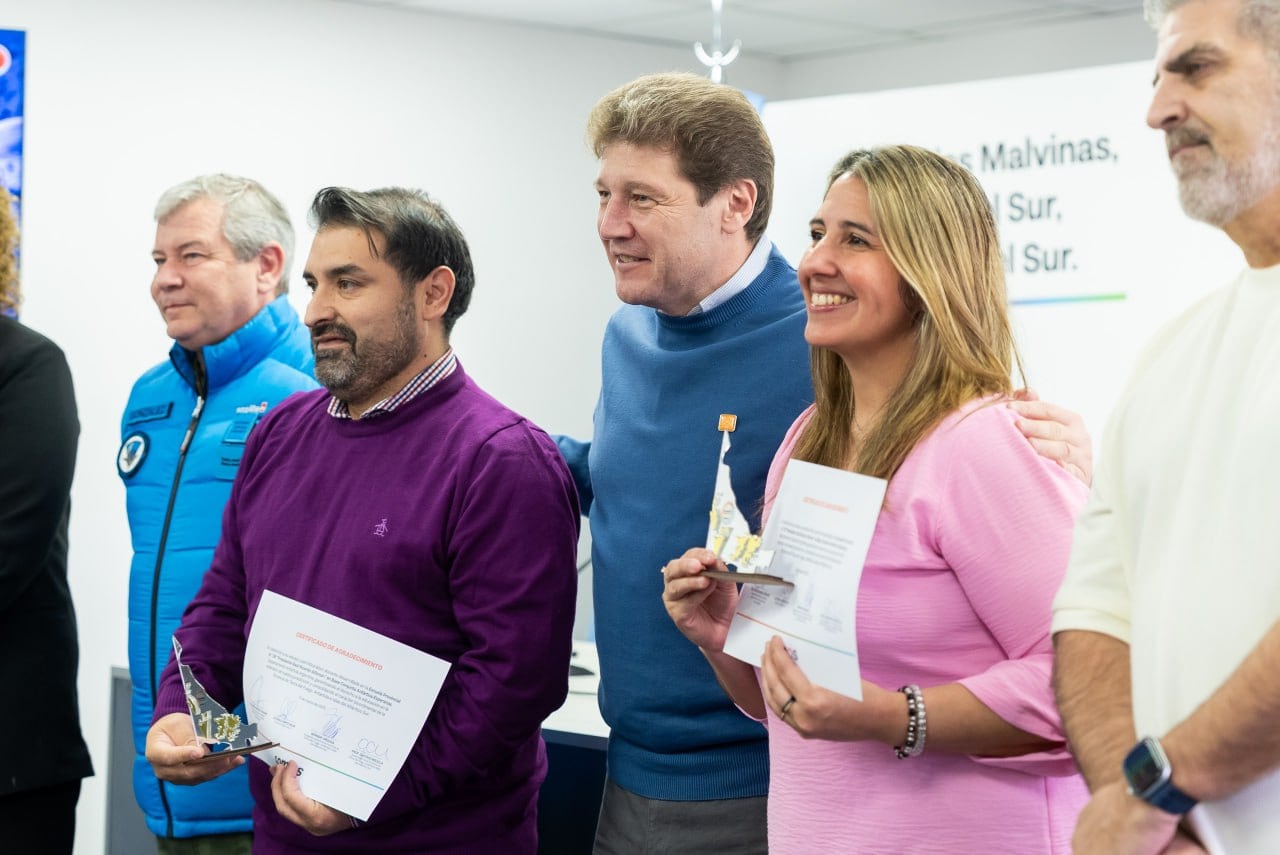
(963, 566)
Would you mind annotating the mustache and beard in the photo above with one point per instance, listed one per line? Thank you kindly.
(1217, 190)
(357, 372)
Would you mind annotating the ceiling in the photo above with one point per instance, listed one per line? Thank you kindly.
(779, 29)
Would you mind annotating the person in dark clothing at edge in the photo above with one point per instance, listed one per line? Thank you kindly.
(42, 753)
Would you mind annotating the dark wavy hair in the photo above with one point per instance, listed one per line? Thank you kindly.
(418, 233)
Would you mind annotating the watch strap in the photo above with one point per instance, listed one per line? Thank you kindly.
(1170, 799)
(1150, 777)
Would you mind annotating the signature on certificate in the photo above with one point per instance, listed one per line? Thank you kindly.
(331, 727)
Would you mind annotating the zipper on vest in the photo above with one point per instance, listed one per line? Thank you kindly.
(155, 580)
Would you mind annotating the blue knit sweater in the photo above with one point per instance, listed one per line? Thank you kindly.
(647, 477)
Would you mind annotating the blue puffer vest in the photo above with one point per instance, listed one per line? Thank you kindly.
(176, 488)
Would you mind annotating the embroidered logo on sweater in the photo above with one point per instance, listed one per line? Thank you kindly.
(131, 454)
(381, 528)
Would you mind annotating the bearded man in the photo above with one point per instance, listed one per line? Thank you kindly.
(404, 499)
(1166, 625)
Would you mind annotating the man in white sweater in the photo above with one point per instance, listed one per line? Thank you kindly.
(1166, 626)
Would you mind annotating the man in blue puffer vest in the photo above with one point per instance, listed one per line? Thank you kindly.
(222, 253)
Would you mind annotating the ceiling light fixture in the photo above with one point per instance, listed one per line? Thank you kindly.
(717, 59)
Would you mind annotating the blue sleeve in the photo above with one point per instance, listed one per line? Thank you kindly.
(575, 453)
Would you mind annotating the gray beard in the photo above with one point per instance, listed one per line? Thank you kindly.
(1219, 195)
(1221, 191)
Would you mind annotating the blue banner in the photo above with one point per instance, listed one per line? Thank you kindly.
(13, 56)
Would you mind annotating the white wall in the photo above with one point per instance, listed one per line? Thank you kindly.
(124, 99)
(975, 55)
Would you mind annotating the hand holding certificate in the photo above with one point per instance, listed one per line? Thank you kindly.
(744, 578)
(345, 703)
(728, 533)
(814, 545)
(213, 723)
(819, 530)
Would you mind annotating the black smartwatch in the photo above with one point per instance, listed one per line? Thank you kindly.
(1147, 769)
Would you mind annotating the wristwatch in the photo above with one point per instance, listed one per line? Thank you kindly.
(1147, 770)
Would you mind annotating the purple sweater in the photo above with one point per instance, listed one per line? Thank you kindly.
(475, 564)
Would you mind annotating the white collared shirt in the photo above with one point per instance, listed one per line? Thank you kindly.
(747, 273)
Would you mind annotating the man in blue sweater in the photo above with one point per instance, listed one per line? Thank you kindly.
(714, 323)
(222, 268)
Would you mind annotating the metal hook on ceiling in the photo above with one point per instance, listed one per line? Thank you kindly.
(716, 59)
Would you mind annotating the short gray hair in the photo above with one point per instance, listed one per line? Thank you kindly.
(251, 216)
(1259, 20)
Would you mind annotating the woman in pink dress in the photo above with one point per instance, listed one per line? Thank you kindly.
(956, 745)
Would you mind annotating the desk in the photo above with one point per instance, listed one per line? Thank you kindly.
(576, 738)
(578, 722)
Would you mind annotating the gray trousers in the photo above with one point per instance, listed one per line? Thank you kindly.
(633, 825)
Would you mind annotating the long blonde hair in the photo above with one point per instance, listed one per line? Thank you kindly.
(937, 228)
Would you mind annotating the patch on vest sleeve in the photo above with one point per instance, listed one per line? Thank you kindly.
(133, 451)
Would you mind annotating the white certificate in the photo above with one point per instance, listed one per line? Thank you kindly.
(819, 530)
(346, 703)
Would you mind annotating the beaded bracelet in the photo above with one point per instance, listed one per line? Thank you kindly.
(913, 745)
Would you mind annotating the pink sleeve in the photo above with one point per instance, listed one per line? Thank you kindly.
(1004, 527)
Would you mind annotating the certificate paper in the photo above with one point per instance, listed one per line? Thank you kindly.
(346, 703)
(819, 530)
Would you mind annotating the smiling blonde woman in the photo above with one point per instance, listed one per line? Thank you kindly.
(912, 356)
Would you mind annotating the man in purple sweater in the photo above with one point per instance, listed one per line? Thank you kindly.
(404, 499)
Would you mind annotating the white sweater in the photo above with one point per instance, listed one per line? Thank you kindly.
(1178, 550)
